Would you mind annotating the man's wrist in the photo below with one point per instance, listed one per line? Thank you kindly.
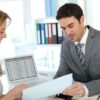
(86, 91)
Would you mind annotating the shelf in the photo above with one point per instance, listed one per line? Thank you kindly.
(48, 31)
(46, 20)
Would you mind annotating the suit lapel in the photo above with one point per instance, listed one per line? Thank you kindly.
(76, 59)
(89, 45)
(74, 54)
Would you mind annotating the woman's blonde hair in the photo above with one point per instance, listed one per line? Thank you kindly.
(4, 16)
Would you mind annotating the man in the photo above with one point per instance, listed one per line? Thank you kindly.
(86, 74)
(15, 93)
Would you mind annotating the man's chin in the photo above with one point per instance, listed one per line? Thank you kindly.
(72, 40)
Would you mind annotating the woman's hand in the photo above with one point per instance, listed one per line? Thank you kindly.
(15, 93)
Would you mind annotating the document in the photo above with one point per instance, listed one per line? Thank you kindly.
(48, 88)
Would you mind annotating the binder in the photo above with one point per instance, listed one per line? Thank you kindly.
(54, 33)
(42, 32)
(38, 33)
(50, 33)
(46, 34)
(59, 35)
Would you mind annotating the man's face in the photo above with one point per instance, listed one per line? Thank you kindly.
(72, 28)
(2, 30)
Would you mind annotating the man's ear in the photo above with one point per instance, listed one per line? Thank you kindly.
(82, 19)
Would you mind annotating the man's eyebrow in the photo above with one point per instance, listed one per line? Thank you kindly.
(67, 25)
(70, 24)
(63, 26)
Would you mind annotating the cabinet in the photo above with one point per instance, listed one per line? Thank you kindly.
(49, 37)
(47, 57)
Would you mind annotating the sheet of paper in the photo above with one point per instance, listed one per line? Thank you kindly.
(47, 89)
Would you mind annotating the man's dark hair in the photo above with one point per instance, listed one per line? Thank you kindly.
(68, 10)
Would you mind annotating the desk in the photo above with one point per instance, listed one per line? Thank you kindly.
(5, 83)
(51, 98)
(6, 89)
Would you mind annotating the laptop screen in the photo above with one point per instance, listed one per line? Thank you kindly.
(20, 68)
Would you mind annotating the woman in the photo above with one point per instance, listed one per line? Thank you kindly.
(15, 93)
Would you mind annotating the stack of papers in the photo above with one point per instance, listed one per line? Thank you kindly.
(47, 89)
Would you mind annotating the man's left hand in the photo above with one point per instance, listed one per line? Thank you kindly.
(77, 89)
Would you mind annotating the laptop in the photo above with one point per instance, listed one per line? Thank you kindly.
(22, 69)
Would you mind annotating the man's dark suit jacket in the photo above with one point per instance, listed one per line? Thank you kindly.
(70, 62)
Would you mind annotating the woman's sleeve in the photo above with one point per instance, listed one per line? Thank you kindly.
(1, 88)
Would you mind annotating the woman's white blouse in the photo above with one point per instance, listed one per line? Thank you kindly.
(1, 88)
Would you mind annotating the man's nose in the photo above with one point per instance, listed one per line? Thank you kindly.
(67, 31)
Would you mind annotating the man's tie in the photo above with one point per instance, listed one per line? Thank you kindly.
(80, 53)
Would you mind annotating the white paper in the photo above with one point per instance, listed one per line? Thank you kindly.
(47, 89)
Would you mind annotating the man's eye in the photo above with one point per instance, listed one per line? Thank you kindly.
(71, 26)
(63, 28)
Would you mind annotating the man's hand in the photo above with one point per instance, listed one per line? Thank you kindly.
(77, 89)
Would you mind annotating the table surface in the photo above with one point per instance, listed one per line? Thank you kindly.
(6, 89)
(5, 84)
(50, 98)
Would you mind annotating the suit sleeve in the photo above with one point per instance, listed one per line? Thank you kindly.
(63, 67)
(93, 87)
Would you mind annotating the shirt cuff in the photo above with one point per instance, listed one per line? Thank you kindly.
(86, 91)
